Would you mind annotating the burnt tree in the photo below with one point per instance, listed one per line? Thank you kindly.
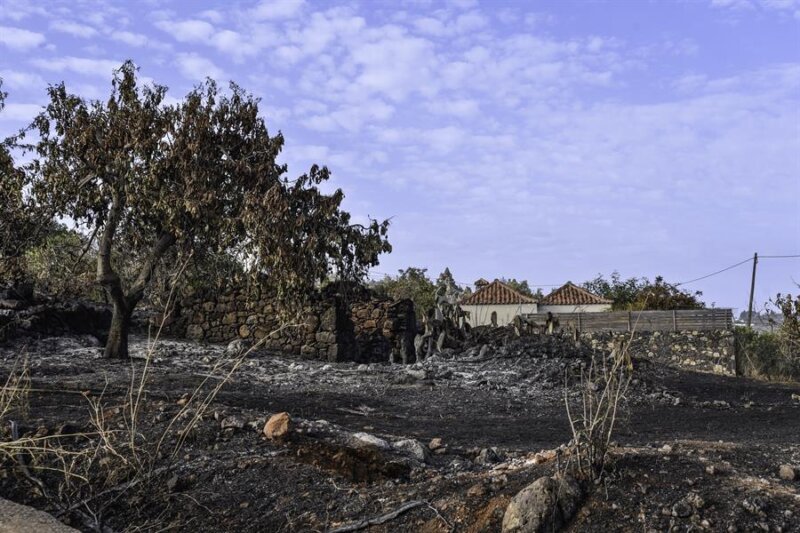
(200, 175)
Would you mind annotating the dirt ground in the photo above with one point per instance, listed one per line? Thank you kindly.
(693, 451)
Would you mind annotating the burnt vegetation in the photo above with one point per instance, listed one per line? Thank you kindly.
(356, 404)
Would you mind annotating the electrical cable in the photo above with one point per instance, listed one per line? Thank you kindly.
(714, 273)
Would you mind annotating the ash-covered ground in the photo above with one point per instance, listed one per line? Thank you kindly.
(444, 444)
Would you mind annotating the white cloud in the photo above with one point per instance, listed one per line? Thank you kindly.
(20, 39)
(235, 44)
(196, 67)
(73, 28)
(21, 112)
(394, 65)
(457, 107)
(350, 117)
(277, 9)
(15, 79)
(130, 38)
(90, 67)
(187, 30)
(20, 9)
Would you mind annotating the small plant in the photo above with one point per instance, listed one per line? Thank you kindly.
(772, 355)
(602, 388)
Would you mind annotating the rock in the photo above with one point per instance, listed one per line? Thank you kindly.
(544, 505)
(682, 509)
(487, 456)
(16, 518)
(236, 347)
(412, 447)
(695, 500)
(787, 473)
(418, 374)
(435, 444)
(366, 440)
(476, 491)
(569, 495)
(233, 422)
(175, 484)
(278, 426)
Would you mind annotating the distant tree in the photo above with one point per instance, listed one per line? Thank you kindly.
(61, 264)
(640, 293)
(200, 175)
(446, 279)
(20, 226)
(412, 283)
(520, 286)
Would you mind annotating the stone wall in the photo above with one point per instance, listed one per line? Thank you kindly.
(19, 318)
(333, 328)
(708, 351)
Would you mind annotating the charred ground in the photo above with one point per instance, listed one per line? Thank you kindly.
(694, 451)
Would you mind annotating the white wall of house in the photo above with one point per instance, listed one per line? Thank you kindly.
(481, 315)
(588, 308)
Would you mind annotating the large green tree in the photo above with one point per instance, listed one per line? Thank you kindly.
(200, 175)
(412, 283)
(641, 293)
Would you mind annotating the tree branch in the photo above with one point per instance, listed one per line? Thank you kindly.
(106, 276)
(162, 245)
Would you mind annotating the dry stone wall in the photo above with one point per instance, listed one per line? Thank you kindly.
(708, 351)
(333, 328)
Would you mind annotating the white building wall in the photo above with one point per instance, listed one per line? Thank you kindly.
(589, 308)
(481, 315)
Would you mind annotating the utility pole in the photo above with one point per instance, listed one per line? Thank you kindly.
(752, 289)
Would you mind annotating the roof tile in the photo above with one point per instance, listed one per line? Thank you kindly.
(496, 293)
(569, 294)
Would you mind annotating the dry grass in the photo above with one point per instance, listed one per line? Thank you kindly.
(82, 472)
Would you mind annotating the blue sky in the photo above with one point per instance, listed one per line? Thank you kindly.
(548, 141)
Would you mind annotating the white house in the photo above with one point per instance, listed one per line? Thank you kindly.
(572, 299)
(495, 303)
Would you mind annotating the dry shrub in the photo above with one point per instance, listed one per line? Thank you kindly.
(83, 473)
(602, 389)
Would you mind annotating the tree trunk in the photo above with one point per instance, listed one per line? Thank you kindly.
(117, 343)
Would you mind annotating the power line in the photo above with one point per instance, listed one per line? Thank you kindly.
(715, 273)
(778, 256)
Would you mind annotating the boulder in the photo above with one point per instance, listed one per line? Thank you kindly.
(278, 426)
(233, 422)
(366, 440)
(787, 473)
(412, 447)
(544, 505)
(237, 347)
(16, 518)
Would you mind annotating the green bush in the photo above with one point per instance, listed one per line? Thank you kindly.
(766, 355)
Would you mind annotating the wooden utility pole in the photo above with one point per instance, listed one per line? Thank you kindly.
(752, 289)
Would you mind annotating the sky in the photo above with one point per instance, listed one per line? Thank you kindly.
(539, 140)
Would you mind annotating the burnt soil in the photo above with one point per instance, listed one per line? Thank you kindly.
(714, 441)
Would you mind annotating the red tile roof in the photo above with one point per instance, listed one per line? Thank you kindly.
(569, 294)
(496, 293)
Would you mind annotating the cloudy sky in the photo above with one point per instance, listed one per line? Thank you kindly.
(545, 140)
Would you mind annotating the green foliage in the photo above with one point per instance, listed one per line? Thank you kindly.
(446, 281)
(789, 307)
(412, 283)
(765, 355)
(772, 355)
(19, 221)
(521, 286)
(62, 265)
(642, 294)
